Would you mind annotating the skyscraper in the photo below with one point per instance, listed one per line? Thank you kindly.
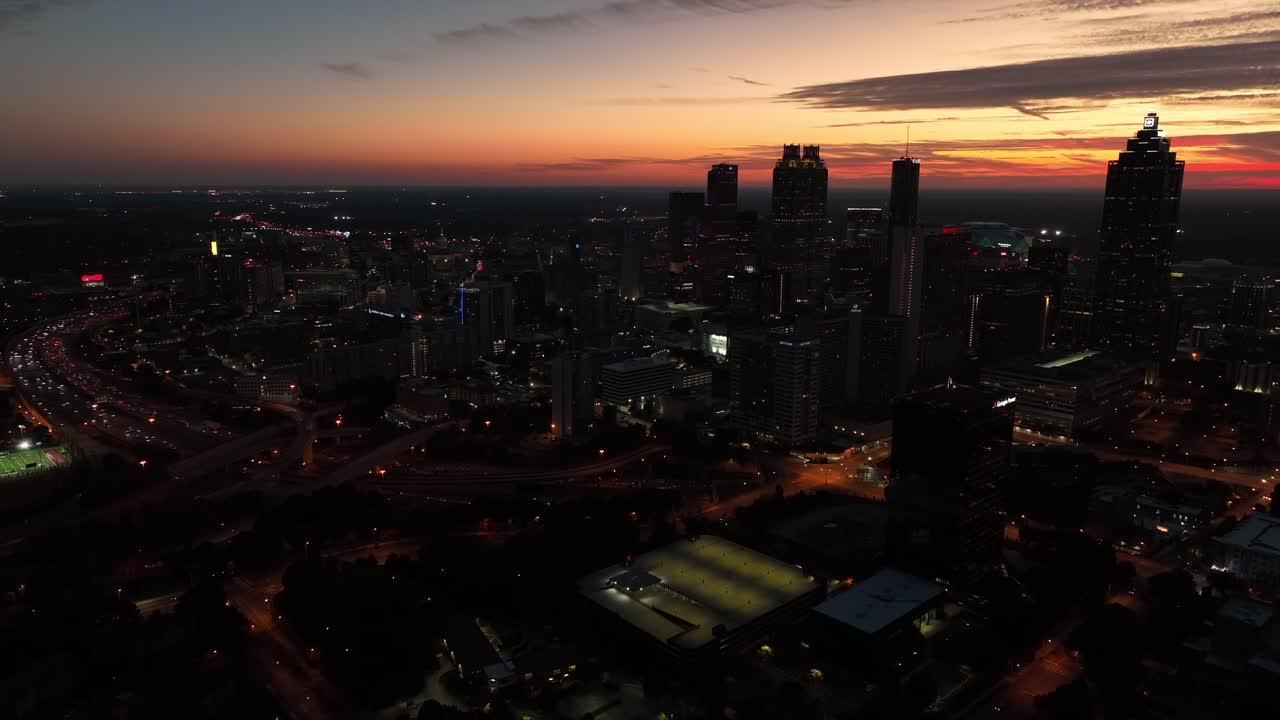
(572, 393)
(488, 306)
(854, 262)
(684, 217)
(800, 218)
(720, 235)
(775, 385)
(1134, 303)
(722, 198)
(904, 243)
(951, 452)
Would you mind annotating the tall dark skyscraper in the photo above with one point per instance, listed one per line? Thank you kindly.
(684, 218)
(904, 243)
(722, 197)
(800, 218)
(719, 239)
(1134, 303)
(951, 451)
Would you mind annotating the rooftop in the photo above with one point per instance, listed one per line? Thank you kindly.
(682, 591)
(1067, 366)
(881, 600)
(1259, 532)
(1247, 612)
(634, 364)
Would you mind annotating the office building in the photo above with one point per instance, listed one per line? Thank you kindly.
(902, 283)
(722, 199)
(882, 373)
(1134, 304)
(775, 385)
(684, 220)
(630, 265)
(800, 219)
(838, 330)
(1008, 314)
(1251, 551)
(488, 306)
(854, 262)
(951, 453)
(945, 280)
(1065, 393)
(572, 393)
(1250, 304)
(877, 620)
(635, 383)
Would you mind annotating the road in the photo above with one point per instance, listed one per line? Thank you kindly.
(298, 684)
(412, 481)
(799, 476)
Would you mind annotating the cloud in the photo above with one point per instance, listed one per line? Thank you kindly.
(747, 81)
(1212, 159)
(349, 69)
(1056, 8)
(680, 100)
(1061, 84)
(1155, 29)
(483, 31)
(17, 14)
(617, 12)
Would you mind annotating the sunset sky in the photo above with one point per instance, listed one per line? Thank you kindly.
(629, 92)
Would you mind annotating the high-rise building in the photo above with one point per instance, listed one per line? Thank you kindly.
(944, 290)
(1250, 303)
(572, 393)
(722, 198)
(636, 382)
(1009, 314)
(904, 242)
(684, 218)
(488, 306)
(631, 262)
(775, 385)
(951, 452)
(838, 330)
(800, 218)
(882, 372)
(865, 247)
(721, 235)
(1135, 309)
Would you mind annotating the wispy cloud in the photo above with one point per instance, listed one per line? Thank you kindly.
(1041, 87)
(747, 81)
(17, 14)
(349, 69)
(617, 12)
(1056, 8)
(680, 100)
(1156, 29)
(1220, 159)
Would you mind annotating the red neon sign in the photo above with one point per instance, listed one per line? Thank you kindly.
(91, 278)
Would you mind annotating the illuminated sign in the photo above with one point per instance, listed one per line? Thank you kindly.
(1004, 402)
(718, 345)
(92, 280)
(1149, 121)
(213, 247)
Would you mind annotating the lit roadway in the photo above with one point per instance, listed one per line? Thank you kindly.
(298, 684)
(59, 391)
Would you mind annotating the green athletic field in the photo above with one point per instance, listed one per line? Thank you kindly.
(19, 462)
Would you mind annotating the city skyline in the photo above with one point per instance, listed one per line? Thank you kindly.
(1032, 94)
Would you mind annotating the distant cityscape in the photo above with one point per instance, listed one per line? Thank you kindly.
(395, 453)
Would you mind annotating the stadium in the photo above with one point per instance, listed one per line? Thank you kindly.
(22, 462)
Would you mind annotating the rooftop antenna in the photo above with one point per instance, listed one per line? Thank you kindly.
(908, 154)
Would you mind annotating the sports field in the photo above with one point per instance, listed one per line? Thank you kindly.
(19, 462)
